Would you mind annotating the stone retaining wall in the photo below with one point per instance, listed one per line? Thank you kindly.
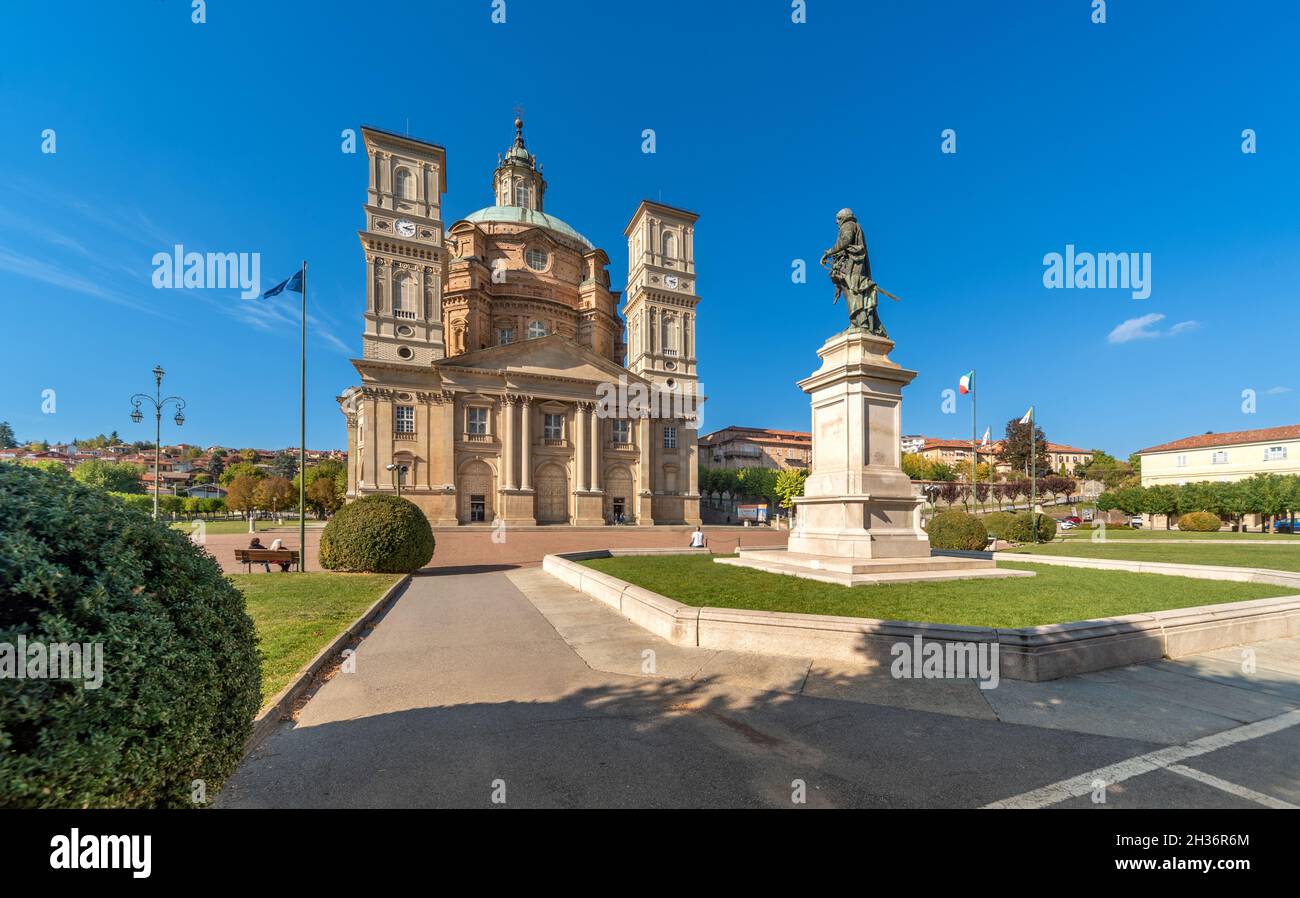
(1027, 653)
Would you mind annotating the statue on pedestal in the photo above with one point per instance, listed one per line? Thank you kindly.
(850, 272)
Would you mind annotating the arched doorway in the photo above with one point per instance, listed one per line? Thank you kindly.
(618, 496)
(474, 486)
(552, 495)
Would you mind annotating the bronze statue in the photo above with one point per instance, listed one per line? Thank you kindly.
(850, 272)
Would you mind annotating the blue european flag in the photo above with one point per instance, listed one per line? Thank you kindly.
(293, 282)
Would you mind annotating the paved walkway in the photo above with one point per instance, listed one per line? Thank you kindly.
(474, 547)
(472, 680)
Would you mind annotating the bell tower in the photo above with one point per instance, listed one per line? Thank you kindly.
(661, 298)
(406, 259)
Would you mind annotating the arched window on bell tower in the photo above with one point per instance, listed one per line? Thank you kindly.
(670, 247)
(404, 184)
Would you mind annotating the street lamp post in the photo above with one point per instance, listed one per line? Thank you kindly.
(158, 401)
(399, 471)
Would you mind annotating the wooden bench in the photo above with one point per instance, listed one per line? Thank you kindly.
(249, 557)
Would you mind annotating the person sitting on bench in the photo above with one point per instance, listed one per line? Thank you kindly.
(256, 543)
(277, 545)
(697, 538)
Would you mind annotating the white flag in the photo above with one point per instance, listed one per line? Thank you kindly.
(1028, 415)
(984, 443)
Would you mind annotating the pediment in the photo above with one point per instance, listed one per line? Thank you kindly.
(550, 356)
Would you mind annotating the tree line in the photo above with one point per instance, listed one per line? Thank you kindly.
(1272, 496)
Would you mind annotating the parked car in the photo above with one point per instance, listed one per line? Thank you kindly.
(1287, 526)
(1068, 524)
(1075, 520)
(1135, 522)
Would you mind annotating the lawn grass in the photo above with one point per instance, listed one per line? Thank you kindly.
(225, 527)
(297, 615)
(1055, 595)
(1085, 531)
(1277, 557)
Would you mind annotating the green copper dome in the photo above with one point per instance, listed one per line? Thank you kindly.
(524, 215)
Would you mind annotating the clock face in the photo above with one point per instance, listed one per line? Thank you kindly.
(406, 228)
(671, 281)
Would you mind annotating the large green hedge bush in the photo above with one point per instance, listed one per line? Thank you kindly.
(997, 522)
(1200, 521)
(957, 530)
(181, 677)
(381, 533)
(1021, 529)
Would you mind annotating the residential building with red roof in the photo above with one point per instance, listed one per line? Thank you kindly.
(1235, 455)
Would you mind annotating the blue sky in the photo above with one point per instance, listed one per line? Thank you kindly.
(225, 137)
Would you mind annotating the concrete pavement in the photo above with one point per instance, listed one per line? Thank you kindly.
(509, 681)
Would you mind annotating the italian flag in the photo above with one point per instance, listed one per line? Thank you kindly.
(967, 383)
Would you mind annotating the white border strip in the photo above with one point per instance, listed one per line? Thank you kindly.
(1162, 759)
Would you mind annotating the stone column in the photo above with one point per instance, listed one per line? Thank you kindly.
(508, 442)
(526, 443)
(645, 500)
(580, 446)
(595, 452)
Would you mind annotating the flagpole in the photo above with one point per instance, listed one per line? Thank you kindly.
(974, 451)
(302, 437)
(1033, 478)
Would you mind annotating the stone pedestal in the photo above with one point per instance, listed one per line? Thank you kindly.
(858, 521)
(858, 503)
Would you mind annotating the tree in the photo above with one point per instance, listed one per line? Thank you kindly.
(1233, 500)
(324, 497)
(915, 466)
(757, 483)
(273, 494)
(239, 494)
(48, 465)
(284, 465)
(113, 477)
(7, 438)
(240, 469)
(248, 454)
(790, 484)
(216, 466)
(1269, 496)
(1162, 499)
(1015, 448)
(1106, 468)
(941, 470)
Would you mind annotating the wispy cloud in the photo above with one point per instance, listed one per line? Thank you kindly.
(1144, 328)
(1276, 391)
(45, 273)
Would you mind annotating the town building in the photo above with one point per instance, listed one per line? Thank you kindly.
(1223, 456)
(756, 447)
(490, 345)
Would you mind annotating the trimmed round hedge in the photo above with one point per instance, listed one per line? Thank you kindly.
(956, 530)
(382, 534)
(997, 522)
(1021, 528)
(1200, 522)
(180, 678)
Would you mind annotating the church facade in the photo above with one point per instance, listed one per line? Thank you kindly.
(492, 349)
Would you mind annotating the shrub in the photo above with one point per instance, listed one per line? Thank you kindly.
(379, 533)
(181, 679)
(1201, 521)
(997, 523)
(957, 530)
(1021, 529)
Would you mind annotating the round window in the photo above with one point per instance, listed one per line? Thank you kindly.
(536, 259)
(404, 330)
(404, 352)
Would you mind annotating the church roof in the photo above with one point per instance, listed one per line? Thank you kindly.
(524, 215)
